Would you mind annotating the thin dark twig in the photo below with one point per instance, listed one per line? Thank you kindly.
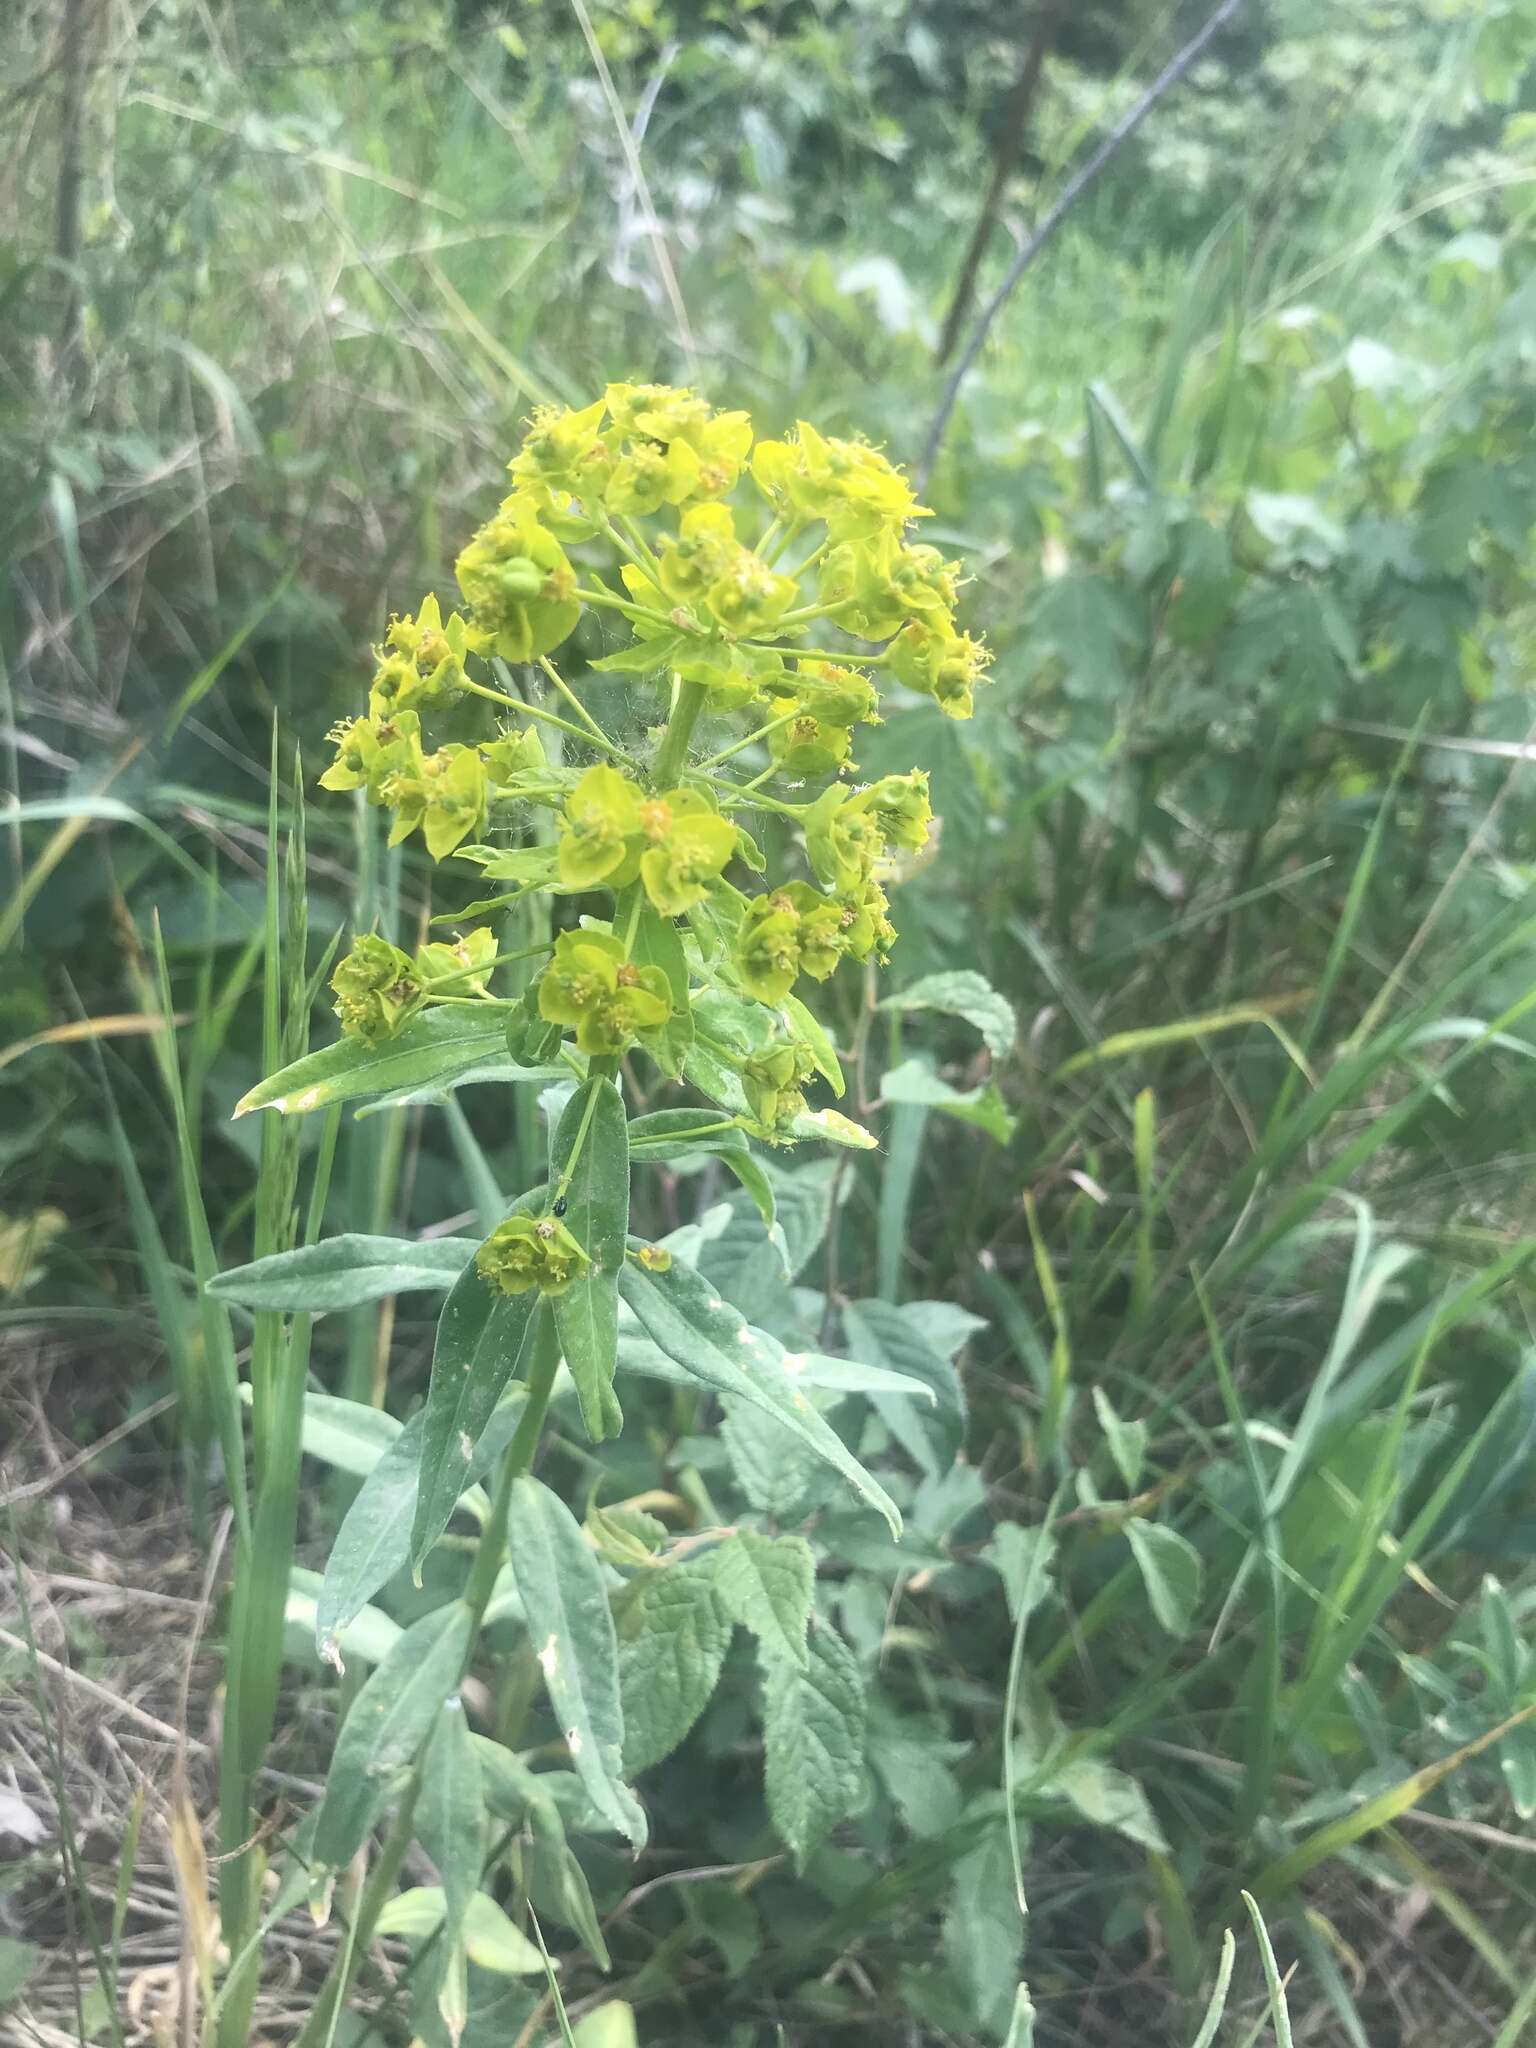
(1120, 134)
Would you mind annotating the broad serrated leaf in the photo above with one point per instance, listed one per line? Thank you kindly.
(813, 1741)
(702, 1334)
(597, 1216)
(482, 1335)
(344, 1272)
(779, 1474)
(388, 1722)
(766, 1583)
(571, 1630)
(962, 993)
(1170, 1566)
(450, 1812)
(752, 1269)
(429, 1053)
(374, 1540)
(672, 1643)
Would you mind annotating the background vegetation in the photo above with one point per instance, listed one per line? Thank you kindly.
(1209, 1226)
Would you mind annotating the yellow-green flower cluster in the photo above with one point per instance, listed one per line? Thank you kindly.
(379, 989)
(780, 580)
(528, 1251)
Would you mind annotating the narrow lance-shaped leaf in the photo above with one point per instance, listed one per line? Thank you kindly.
(1170, 1568)
(389, 1721)
(571, 1629)
(597, 1216)
(765, 1583)
(374, 1540)
(707, 1338)
(450, 1825)
(429, 1052)
(481, 1336)
(344, 1272)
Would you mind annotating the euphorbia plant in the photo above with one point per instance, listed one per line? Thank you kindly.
(778, 585)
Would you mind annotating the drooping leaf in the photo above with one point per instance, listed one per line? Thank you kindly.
(672, 1643)
(344, 1272)
(481, 1337)
(1127, 1440)
(558, 1884)
(369, 1633)
(813, 1741)
(1170, 1566)
(702, 1334)
(571, 1629)
(597, 1216)
(388, 1722)
(766, 1583)
(962, 993)
(429, 1053)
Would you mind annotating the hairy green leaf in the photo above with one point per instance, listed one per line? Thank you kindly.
(813, 1741)
(672, 1643)
(766, 1583)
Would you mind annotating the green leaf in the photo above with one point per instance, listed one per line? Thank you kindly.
(813, 1741)
(765, 1583)
(368, 1633)
(699, 1332)
(1127, 1440)
(672, 1643)
(610, 2025)
(481, 1336)
(808, 1027)
(343, 1272)
(881, 1336)
(984, 1930)
(17, 1961)
(431, 1052)
(669, 1134)
(352, 1436)
(597, 1216)
(1170, 1566)
(497, 1072)
(571, 1629)
(450, 1813)
(963, 993)
(388, 1722)
(558, 1884)
(490, 1938)
(778, 1474)
(751, 1269)
(1094, 631)
(374, 1540)
(915, 1081)
(1109, 1798)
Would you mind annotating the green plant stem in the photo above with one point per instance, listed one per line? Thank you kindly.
(648, 613)
(489, 1555)
(673, 751)
(571, 698)
(511, 703)
(762, 732)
